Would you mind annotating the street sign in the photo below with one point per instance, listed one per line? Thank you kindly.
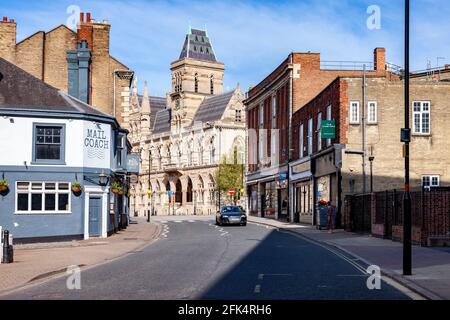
(328, 130)
(283, 176)
(231, 192)
(169, 193)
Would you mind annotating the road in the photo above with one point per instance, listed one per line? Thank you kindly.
(194, 259)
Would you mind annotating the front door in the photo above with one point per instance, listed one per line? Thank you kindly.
(95, 213)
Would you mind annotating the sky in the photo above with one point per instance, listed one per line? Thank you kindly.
(250, 37)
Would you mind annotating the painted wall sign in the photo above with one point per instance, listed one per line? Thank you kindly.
(97, 145)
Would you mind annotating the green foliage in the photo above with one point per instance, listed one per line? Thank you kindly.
(115, 185)
(229, 175)
(76, 184)
(3, 183)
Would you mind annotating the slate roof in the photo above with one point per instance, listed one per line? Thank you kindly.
(21, 91)
(197, 46)
(212, 108)
(162, 121)
(156, 104)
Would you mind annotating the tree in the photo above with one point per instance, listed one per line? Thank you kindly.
(229, 175)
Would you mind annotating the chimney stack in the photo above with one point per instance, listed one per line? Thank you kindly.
(379, 59)
(5, 19)
(88, 17)
(81, 17)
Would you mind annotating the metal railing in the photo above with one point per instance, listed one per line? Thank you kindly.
(346, 65)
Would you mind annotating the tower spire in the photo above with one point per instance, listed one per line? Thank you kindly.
(145, 109)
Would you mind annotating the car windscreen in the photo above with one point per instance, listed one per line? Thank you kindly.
(231, 210)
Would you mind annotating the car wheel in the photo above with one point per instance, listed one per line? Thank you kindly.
(244, 224)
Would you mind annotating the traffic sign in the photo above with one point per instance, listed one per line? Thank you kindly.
(231, 192)
(328, 130)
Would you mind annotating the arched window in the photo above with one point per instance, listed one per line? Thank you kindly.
(196, 83)
(211, 84)
(189, 190)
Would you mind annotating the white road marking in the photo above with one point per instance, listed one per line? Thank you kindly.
(257, 288)
(223, 234)
(178, 221)
(191, 221)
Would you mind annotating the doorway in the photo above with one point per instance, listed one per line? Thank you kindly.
(95, 216)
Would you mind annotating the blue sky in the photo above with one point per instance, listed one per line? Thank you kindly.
(250, 37)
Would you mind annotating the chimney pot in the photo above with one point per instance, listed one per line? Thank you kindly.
(81, 17)
(88, 17)
(11, 20)
(5, 19)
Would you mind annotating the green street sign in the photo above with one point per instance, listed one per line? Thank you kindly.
(328, 129)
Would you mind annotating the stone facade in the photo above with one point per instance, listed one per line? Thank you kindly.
(182, 137)
(43, 54)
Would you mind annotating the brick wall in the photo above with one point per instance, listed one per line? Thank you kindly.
(8, 39)
(30, 54)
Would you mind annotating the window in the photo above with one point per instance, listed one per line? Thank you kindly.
(319, 131)
(42, 197)
(48, 143)
(421, 117)
(310, 136)
(274, 112)
(301, 144)
(329, 118)
(354, 112)
(196, 83)
(430, 181)
(261, 115)
(372, 112)
(238, 117)
(211, 84)
(120, 149)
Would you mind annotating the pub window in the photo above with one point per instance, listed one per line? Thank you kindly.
(42, 197)
(430, 181)
(48, 143)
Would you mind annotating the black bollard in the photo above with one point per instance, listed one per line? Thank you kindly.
(7, 248)
(148, 215)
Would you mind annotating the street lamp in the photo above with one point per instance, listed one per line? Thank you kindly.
(102, 179)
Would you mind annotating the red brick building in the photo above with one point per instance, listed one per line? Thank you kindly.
(270, 106)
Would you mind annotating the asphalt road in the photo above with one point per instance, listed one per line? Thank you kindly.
(194, 259)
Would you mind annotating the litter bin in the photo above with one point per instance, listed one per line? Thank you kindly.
(8, 250)
(321, 217)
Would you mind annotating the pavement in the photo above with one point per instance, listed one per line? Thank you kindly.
(431, 266)
(35, 263)
(195, 259)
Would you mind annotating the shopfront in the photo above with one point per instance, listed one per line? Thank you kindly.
(302, 185)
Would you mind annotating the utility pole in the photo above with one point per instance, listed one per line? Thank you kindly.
(364, 130)
(406, 138)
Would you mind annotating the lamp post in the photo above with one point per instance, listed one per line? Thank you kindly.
(406, 138)
(371, 158)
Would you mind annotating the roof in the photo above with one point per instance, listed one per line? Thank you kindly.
(162, 121)
(21, 91)
(156, 104)
(197, 46)
(212, 108)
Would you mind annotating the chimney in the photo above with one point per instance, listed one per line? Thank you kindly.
(81, 17)
(5, 19)
(447, 66)
(88, 17)
(379, 59)
(8, 39)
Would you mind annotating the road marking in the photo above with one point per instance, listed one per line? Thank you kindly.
(191, 221)
(178, 221)
(262, 275)
(223, 234)
(257, 288)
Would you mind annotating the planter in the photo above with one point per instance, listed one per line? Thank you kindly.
(115, 191)
(76, 189)
(3, 188)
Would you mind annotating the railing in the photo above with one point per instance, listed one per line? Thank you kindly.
(346, 65)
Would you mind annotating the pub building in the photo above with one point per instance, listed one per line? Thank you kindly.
(61, 160)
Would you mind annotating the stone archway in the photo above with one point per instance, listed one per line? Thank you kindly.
(189, 190)
(178, 192)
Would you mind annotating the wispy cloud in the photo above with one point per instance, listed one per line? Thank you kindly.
(250, 37)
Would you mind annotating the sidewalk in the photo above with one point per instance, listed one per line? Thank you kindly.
(431, 266)
(33, 262)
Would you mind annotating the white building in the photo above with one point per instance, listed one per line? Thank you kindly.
(182, 137)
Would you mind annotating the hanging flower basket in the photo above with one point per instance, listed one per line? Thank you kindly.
(115, 187)
(3, 186)
(120, 192)
(76, 187)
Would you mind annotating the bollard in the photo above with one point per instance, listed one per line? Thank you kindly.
(148, 215)
(8, 252)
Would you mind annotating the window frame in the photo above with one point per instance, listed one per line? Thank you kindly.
(421, 113)
(62, 159)
(301, 153)
(431, 176)
(29, 191)
(319, 131)
(310, 136)
(329, 115)
(351, 121)
(375, 120)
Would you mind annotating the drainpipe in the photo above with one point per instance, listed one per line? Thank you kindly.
(289, 119)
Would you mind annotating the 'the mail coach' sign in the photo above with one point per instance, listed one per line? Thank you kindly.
(97, 145)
